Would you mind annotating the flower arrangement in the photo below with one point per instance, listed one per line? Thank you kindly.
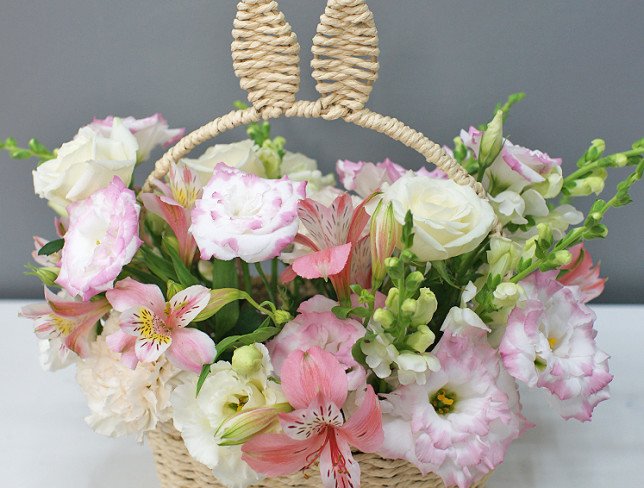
(281, 322)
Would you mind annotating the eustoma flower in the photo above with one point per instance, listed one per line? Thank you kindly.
(149, 132)
(550, 343)
(461, 422)
(366, 178)
(174, 206)
(103, 236)
(315, 384)
(160, 327)
(339, 248)
(242, 215)
(581, 273)
(67, 320)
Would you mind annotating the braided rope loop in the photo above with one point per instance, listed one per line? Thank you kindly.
(266, 56)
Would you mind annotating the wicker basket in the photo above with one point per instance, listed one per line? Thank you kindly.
(177, 469)
(345, 65)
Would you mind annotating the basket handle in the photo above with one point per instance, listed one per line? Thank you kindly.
(265, 55)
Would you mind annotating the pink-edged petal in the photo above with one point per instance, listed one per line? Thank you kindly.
(327, 226)
(152, 335)
(305, 375)
(186, 305)
(279, 455)
(124, 344)
(35, 310)
(359, 220)
(66, 307)
(364, 429)
(288, 275)
(309, 422)
(338, 468)
(80, 338)
(129, 293)
(323, 264)
(191, 349)
(149, 350)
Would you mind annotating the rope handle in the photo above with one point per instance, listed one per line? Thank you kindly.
(345, 49)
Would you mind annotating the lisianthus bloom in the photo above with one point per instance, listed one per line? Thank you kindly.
(366, 178)
(315, 384)
(103, 236)
(124, 401)
(161, 327)
(242, 215)
(175, 205)
(150, 132)
(449, 219)
(460, 423)
(86, 164)
(68, 320)
(581, 273)
(225, 395)
(317, 325)
(549, 343)
(338, 247)
(239, 155)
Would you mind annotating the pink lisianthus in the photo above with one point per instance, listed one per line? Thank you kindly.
(365, 178)
(243, 215)
(149, 132)
(159, 327)
(516, 167)
(459, 424)
(338, 243)
(581, 273)
(102, 237)
(175, 205)
(315, 384)
(550, 343)
(317, 325)
(71, 321)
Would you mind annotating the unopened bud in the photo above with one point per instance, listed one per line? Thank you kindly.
(384, 235)
(408, 307)
(392, 300)
(506, 295)
(620, 160)
(414, 280)
(562, 258)
(492, 140)
(384, 317)
(587, 186)
(242, 427)
(426, 306)
(421, 339)
(282, 316)
(47, 275)
(545, 235)
(596, 149)
(247, 360)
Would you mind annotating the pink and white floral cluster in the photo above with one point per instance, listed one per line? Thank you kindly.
(396, 319)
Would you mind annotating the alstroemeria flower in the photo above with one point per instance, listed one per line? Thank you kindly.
(582, 274)
(175, 205)
(315, 384)
(103, 236)
(161, 327)
(149, 132)
(317, 325)
(67, 320)
(243, 215)
(339, 249)
(549, 343)
(460, 423)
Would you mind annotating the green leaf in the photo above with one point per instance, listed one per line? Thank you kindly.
(186, 278)
(158, 265)
(36, 146)
(205, 371)
(51, 247)
(262, 334)
(224, 275)
(20, 154)
(10, 142)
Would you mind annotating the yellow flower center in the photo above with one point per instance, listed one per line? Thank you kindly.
(443, 401)
(151, 327)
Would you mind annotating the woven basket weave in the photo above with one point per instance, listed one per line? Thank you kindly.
(266, 60)
(177, 469)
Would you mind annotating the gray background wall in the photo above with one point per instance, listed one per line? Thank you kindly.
(443, 66)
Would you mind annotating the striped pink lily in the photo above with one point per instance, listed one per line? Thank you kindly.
(315, 384)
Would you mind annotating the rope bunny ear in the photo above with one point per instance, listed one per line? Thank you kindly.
(266, 56)
(345, 57)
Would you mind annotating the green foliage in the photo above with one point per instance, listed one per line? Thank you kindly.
(34, 149)
(51, 247)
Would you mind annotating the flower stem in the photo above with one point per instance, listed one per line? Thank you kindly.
(600, 163)
(248, 285)
(267, 285)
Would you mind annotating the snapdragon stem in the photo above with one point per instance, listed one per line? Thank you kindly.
(600, 163)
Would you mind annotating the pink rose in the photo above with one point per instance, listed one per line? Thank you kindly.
(243, 215)
(317, 325)
(102, 237)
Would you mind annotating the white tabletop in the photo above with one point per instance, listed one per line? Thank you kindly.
(44, 441)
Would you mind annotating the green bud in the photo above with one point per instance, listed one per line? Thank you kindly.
(597, 231)
(245, 425)
(596, 149)
(414, 280)
(492, 140)
(562, 258)
(426, 306)
(587, 186)
(620, 160)
(271, 160)
(384, 317)
(421, 339)
(545, 235)
(506, 295)
(392, 300)
(47, 275)
(460, 151)
(247, 360)
(394, 268)
(282, 317)
(173, 288)
(407, 256)
(408, 307)
(503, 255)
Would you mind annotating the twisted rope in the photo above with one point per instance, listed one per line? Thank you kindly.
(177, 469)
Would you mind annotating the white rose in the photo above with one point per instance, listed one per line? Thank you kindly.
(86, 164)
(240, 155)
(449, 219)
(299, 167)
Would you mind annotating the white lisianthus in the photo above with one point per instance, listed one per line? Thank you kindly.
(240, 155)
(299, 167)
(224, 394)
(449, 219)
(86, 164)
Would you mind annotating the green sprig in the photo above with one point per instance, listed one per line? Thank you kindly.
(34, 149)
